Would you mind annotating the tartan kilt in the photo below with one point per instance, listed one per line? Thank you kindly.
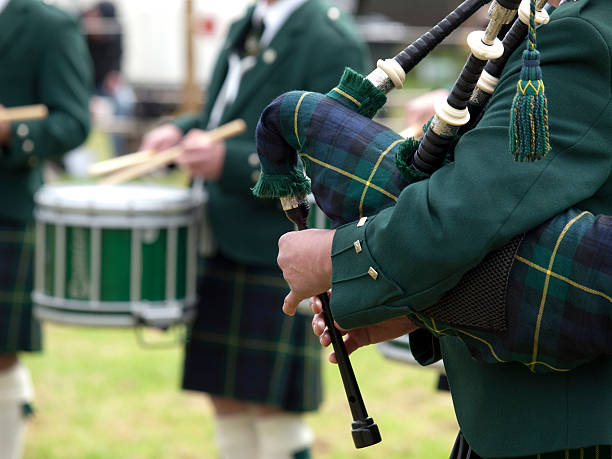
(241, 346)
(19, 330)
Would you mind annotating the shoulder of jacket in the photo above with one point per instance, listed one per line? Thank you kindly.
(51, 16)
(332, 21)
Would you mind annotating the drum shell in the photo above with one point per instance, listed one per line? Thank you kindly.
(99, 267)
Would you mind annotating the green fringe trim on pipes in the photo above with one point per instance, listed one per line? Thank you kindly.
(403, 161)
(406, 150)
(357, 93)
(278, 186)
(529, 135)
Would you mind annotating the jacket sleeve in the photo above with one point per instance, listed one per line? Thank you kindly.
(64, 85)
(441, 227)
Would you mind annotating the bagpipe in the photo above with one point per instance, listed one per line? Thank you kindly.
(355, 167)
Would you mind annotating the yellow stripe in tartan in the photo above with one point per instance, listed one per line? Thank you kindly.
(442, 332)
(250, 279)
(348, 174)
(257, 344)
(536, 336)
(279, 358)
(230, 366)
(295, 118)
(348, 96)
(17, 237)
(369, 182)
(581, 453)
(15, 297)
(563, 278)
(20, 282)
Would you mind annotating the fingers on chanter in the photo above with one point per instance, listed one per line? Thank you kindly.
(318, 324)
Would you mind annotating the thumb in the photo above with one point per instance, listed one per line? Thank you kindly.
(291, 303)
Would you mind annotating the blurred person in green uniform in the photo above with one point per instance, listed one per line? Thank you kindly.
(43, 61)
(414, 252)
(261, 369)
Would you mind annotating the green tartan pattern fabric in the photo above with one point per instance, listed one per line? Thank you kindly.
(242, 346)
(559, 299)
(19, 330)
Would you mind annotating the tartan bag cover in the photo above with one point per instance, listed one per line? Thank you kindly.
(555, 319)
(349, 158)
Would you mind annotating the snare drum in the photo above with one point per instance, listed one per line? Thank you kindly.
(116, 256)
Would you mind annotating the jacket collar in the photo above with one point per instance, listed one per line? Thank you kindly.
(281, 45)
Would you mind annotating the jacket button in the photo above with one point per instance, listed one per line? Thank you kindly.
(333, 13)
(269, 56)
(23, 130)
(253, 160)
(28, 146)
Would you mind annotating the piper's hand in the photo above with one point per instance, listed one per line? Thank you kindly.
(359, 337)
(201, 157)
(305, 259)
(161, 138)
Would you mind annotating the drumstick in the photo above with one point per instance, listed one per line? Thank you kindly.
(23, 113)
(159, 160)
(113, 164)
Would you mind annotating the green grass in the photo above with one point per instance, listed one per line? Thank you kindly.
(99, 394)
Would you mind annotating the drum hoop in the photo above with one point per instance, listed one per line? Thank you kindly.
(44, 199)
(87, 306)
(114, 221)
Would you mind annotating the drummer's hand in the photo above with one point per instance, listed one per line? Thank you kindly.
(201, 157)
(305, 258)
(420, 109)
(5, 131)
(359, 337)
(161, 138)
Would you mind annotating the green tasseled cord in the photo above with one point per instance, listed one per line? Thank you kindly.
(529, 138)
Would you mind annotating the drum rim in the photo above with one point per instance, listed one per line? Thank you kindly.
(187, 199)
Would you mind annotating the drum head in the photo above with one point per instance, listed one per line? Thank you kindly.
(118, 199)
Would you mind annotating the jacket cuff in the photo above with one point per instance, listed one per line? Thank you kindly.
(359, 285)
(425, 347)
(25, 148)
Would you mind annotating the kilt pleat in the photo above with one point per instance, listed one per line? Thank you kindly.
(19, 330)
(242, 346)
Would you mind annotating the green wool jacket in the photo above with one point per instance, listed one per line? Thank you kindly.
(442, 227)
(309, 52)
(44, 61)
